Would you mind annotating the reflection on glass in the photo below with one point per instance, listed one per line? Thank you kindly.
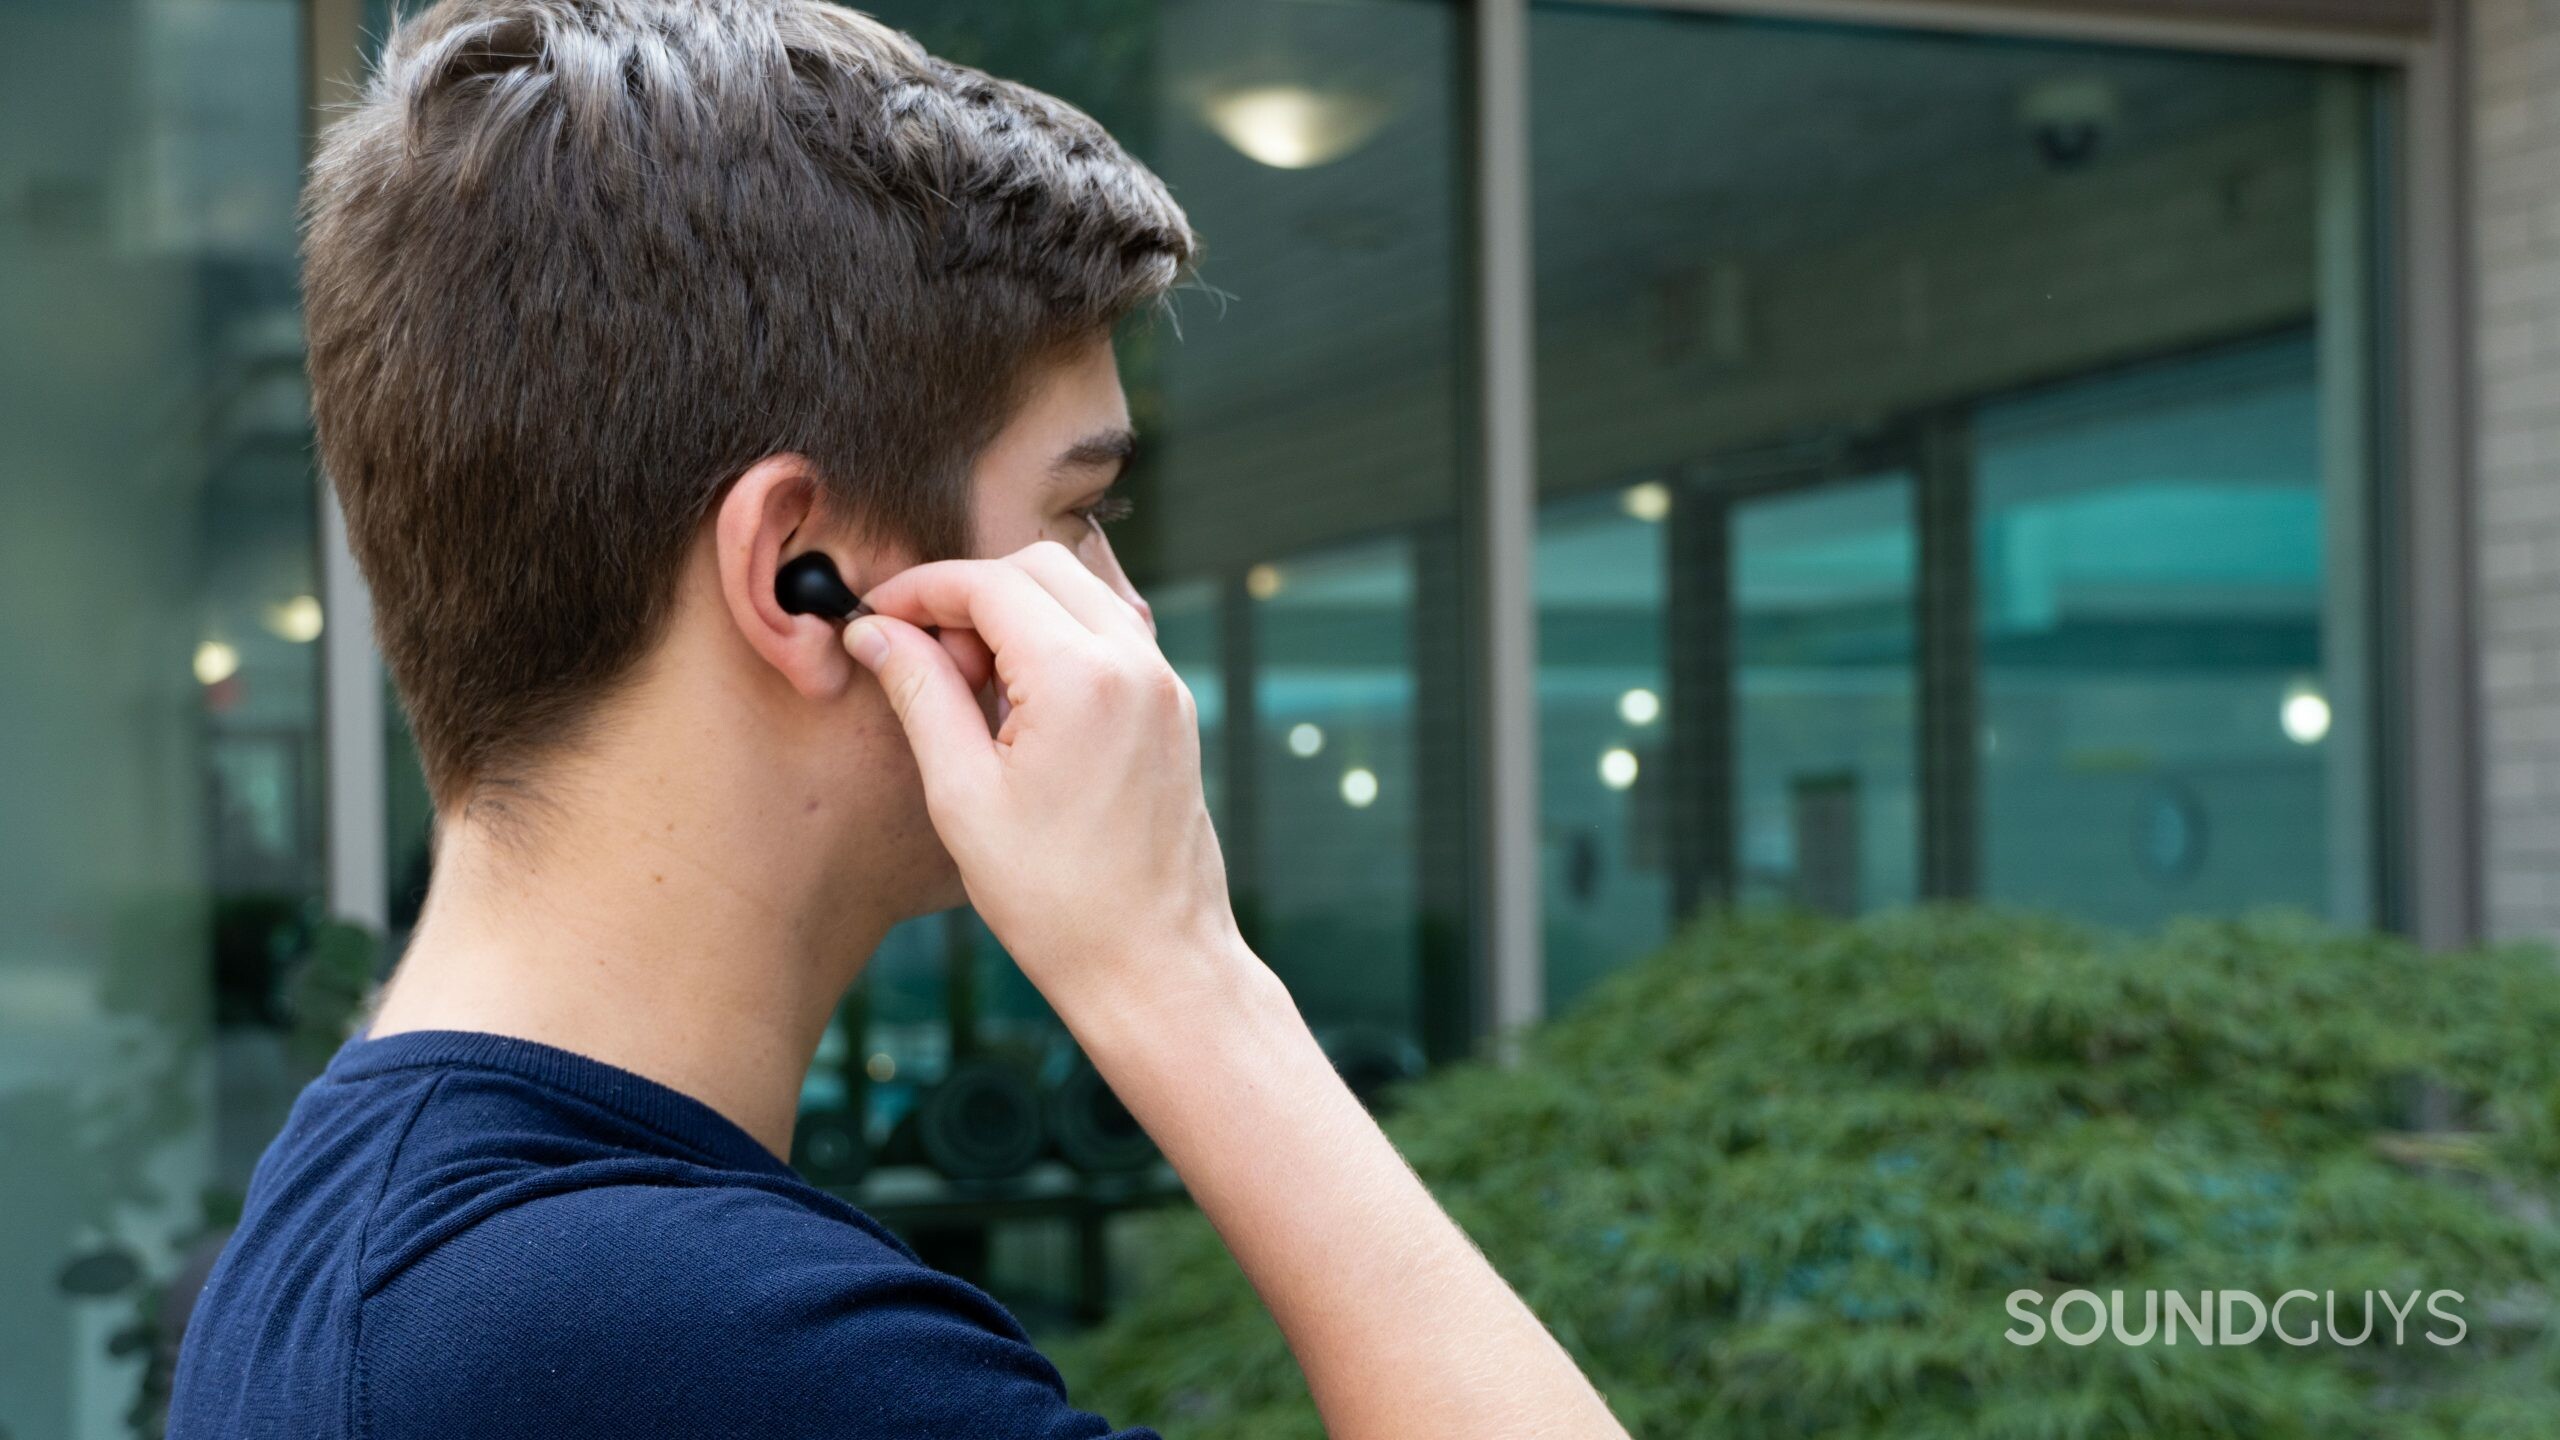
(160, 854)
(1307, 427)
(1826, 789)
(2157, 735)
(2001, 407)
(1602, 733)
(1189, 615)
(1333, 898)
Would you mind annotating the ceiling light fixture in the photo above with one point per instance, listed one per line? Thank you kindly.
(1295, 127)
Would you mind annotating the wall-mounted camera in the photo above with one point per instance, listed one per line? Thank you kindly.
(2069, 119)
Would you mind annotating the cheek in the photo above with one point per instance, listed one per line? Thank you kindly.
(1003, 533)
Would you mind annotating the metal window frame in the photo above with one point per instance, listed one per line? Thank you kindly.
(2071, 20)
(2433, 683)
(1510, 921)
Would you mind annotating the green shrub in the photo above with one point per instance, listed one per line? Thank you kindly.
(1780, 1180)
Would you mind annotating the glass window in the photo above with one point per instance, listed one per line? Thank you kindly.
(1333, 894)
(2000, 415)
(160, 846)
(2158, 725)
(1825, 779)
(1603, 690)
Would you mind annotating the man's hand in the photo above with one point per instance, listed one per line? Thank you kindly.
(1079, 826)
(1080, 833)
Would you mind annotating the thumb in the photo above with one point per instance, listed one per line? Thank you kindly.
(933, 702)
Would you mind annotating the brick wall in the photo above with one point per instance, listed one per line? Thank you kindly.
(2516, 109)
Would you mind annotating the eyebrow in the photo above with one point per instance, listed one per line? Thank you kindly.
(1103, 447)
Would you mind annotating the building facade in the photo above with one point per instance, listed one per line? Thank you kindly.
(2515, 474)
(1621, 459)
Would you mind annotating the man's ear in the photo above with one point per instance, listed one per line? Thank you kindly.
(770, 516)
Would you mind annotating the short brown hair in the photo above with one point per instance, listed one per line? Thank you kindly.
(572, 266)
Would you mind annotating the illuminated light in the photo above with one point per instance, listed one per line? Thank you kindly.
(1305, 741)
(1359, 788)
(1617, 768)
(1639, 707)
(298, 619)
(216, 662)
(1263, 581)
(880, 1067)
(2305, 715)
(1290, 127)
(1649, 501)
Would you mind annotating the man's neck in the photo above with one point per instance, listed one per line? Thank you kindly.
(674, 929)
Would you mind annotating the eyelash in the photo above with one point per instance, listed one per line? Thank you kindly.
(1107, 510)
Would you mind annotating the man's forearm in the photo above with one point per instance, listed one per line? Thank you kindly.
(1403, 1330)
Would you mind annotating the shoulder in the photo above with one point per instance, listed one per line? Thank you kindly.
(646, 1308)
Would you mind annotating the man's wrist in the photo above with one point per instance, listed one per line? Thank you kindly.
(1181, 1001)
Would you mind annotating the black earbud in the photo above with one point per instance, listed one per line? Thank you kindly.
(809, 585)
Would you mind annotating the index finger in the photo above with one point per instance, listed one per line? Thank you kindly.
(1010, 611)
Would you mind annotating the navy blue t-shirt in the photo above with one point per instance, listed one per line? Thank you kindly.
(464, 1234)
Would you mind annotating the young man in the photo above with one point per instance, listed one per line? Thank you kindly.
(616, 307)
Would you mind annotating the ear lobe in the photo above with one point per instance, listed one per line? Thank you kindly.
(768, 517)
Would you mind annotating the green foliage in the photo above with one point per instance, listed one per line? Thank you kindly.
(1779, 1180)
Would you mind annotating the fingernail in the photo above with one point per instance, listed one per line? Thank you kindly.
(867, 643)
